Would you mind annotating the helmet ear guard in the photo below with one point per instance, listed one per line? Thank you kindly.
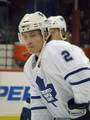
(63, 32)
(20, 37)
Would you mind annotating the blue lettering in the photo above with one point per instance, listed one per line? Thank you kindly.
(26, 93)
(3, 91)
(14, 93)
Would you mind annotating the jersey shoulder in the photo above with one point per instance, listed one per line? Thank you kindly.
(63, 56)
(58, 44)
(55, 47)
(55, 56)
(65, 49)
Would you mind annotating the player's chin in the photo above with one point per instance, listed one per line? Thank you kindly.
(32, 50)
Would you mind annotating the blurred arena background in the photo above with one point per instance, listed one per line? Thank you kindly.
(13, 55)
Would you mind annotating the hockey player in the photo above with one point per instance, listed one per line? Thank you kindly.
(58, 72)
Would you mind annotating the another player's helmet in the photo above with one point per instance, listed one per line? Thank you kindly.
(33, 21)
(58, 22)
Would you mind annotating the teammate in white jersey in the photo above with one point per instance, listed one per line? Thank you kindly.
(58, 72)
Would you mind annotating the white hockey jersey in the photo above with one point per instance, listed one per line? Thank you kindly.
(63, 73)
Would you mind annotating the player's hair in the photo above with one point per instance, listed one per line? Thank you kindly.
(68, 37)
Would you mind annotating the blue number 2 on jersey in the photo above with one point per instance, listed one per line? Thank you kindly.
(66, 55)
(48, 92)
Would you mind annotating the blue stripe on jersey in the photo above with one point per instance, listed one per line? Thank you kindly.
(39, 108)
(76, 71)
(35, 97)
(80, 82)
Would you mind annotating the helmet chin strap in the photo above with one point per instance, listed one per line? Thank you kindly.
(40, 55)
(48, 37)
(45, 40)
(63, 38)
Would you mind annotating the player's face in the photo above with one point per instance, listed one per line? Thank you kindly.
(55, 32)
(33, 41)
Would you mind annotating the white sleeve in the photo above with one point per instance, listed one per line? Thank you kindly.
(79, 80)
(38, 110)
